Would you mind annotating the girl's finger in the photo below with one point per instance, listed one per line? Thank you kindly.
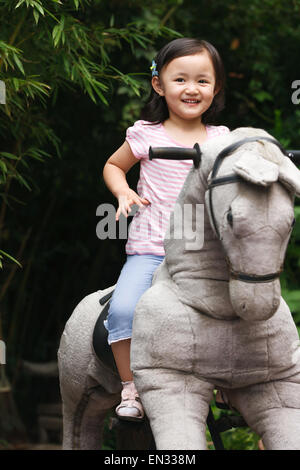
(145, 201)
(118, 214)
(121, 210)
(139, 201)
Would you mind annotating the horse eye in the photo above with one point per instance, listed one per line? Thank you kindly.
(230, 218)
(293, 223)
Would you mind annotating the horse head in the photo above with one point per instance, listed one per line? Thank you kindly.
(249, 200)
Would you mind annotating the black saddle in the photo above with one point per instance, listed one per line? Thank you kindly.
(101, 347)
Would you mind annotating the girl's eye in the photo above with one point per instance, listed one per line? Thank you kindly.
(179, 80)
(203, 81)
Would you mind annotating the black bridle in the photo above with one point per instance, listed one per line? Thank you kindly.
(234, 178)
(195, 154)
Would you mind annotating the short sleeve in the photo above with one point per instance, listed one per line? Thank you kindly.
(215, 131)
(138, 139)
(223, 129)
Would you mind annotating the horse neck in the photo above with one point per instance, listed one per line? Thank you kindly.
(200, 275)
(206, 261)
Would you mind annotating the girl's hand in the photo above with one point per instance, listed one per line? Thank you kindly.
(127, 200)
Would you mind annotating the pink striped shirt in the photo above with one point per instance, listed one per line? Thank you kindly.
(160, 182)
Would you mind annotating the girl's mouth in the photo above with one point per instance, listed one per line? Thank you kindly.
(191, 101)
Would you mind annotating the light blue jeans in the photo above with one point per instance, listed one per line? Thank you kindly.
(135, 278)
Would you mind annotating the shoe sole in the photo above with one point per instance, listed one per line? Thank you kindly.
(130, 418)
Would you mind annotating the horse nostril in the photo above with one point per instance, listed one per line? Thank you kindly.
(243, 306)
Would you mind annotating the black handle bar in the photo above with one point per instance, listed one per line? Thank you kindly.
(179, 153)
(294, 156)
(176, 153)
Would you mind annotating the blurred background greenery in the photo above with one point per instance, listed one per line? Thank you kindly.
(77, 74)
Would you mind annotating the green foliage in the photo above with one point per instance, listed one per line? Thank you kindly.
(52, 46)
(241, 438)
(290, 278)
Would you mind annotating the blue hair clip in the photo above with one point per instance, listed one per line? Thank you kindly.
(153, 68)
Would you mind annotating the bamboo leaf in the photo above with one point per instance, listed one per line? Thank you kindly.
(18, 63)
(101, 96)
(16, 83)
(40, 8)
(9, 155)
(3, 167)
(140, 41)
(19, 3)
(22, 180)
(3, 253)
(36, 16)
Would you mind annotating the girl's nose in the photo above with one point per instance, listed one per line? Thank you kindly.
(191, 87)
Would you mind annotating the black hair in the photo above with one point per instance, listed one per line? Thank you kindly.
(156, 110)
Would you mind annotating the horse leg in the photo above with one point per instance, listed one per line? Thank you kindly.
(90, 417)
(83, 418)
(89, 433)
(71, 396)
(272, 410)
(68, 426)
(176, 404)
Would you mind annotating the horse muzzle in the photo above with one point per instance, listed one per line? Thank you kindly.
(255, 301)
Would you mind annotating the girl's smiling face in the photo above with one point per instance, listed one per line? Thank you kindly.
(188, 85)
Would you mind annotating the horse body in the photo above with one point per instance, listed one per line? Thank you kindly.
(201, 326)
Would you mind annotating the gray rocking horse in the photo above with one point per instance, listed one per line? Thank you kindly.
(216, 329)
(218, 308)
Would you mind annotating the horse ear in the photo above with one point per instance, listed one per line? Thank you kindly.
(256, 169)
(289, 175)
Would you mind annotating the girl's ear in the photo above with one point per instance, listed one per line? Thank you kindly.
(157, 85)
(216, 90)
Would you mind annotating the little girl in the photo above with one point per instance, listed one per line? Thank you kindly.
(187, 94)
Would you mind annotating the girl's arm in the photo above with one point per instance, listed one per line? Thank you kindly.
(114, 174)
